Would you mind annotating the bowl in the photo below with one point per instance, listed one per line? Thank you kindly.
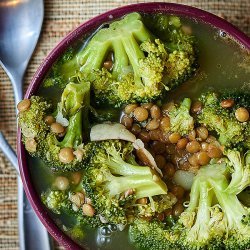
(85, 28)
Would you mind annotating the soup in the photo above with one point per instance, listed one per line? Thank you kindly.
(223, 65)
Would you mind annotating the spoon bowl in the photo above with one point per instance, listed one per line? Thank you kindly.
(20, 25)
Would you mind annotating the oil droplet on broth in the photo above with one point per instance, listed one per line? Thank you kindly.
(105, 231)
(222, 34)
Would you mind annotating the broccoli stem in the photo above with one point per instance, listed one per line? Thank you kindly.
(94, 57)
(230, 204)
(118, 185)
(150, 191)
(201, 227)
(75, 104)
(120, 167)
(194, 196)
(134, 54)
(73, 137)
(121, 58)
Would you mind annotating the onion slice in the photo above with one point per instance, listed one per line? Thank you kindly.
(145, 156)
(184, 179)
(111, 131)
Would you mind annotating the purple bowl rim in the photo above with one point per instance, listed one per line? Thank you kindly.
(82, 29)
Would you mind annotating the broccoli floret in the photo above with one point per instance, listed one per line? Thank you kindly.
(181, 47)
(222, 120)
(61, 202)
(135, 76)
(156, 205)
(151, 235)
(140, 62)
(240, 167)
(180, 119)
(39, 138)
(241, 98)
(114, 184)
(56, 201)
(214, 219)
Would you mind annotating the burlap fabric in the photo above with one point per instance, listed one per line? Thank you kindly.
(61, 16)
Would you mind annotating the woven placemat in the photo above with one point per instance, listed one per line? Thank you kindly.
(61, 16)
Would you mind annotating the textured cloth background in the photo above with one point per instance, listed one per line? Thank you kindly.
(61, 16)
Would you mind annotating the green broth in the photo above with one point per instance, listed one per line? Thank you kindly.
(223, 64)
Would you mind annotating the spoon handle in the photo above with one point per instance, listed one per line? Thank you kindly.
(8, 152)
(32, 233)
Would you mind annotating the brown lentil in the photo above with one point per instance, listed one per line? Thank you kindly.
(178, 191)
(204, 146)
(167, 107)
(66, 155)
(76, 178)
(193, 147)
(130, 108)
(136, 129)
(192, 135)
(196, 107)
(61, 183)
(142, 201)
(30, 145)
(213, 151)
(49, 119)
(184, 166)
(210, 139)
(203, 158)
(147, 106)
(88, 210)
(155, 135)
(174, 137)
(141, 114)
(127, 121)
(155, 112)
(160, 161)
(144, 136)
(153, 124)
(177, 209)
(242, 114)
(165, 124)
(227, 103)
(202, 133)
(182, 143)
(193, 160)
(57, 128)
(23, 105)
(169, 170)
(108, 65)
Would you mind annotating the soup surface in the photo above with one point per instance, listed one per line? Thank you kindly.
(223, 64)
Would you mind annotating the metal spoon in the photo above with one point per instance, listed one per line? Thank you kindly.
(20, 26)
